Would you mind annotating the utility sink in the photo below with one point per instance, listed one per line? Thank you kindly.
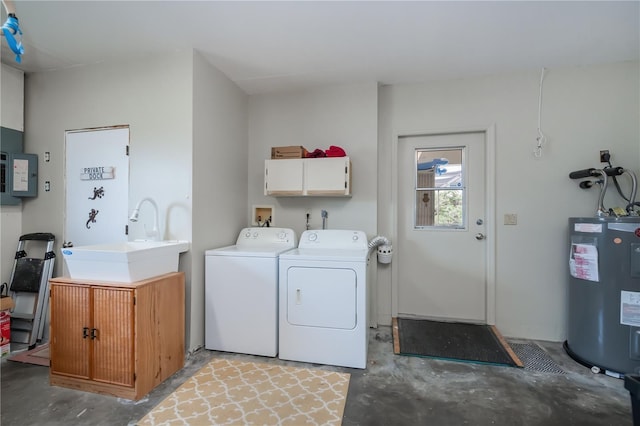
(124, 262)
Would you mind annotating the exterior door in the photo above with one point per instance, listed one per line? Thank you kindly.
(441, 227)
(96, 186)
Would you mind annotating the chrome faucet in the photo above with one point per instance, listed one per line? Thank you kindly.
(155, 232)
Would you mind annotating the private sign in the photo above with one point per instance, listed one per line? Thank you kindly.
(96, 173)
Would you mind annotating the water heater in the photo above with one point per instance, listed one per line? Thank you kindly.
(604, 293)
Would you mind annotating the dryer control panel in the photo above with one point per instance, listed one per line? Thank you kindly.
(337, 239)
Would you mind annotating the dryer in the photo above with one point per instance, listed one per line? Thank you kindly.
(323, 299)
(241, 292)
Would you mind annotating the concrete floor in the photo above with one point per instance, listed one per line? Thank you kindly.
(393, 390)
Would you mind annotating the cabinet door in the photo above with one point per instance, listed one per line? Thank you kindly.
(70, 324)
(327, 176)
(283, 177)
(113, 324)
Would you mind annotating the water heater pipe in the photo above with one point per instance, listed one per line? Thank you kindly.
(601, 211)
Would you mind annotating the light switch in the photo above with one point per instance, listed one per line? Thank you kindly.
(510, 219)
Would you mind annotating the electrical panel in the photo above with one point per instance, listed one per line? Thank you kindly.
(18, 171)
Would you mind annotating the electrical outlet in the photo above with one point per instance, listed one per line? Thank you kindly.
(510, 219)
(604, 156)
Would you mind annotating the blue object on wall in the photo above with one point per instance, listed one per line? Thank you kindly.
(11, 27)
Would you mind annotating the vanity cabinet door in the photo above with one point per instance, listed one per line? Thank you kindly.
(92, 333)
(113, 336)
(70, 330)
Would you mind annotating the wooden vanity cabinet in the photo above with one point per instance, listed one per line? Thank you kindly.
(120, 339)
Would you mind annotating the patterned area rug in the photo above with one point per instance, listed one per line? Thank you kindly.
(232, 392)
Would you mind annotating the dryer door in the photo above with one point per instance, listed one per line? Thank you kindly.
(321, 297)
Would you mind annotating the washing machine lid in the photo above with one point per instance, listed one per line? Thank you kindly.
(266, 250)
(319, 254)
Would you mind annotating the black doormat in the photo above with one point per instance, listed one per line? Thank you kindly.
(452, 340)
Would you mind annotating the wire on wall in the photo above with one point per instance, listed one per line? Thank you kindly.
(542, 139)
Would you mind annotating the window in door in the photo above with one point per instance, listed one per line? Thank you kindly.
(440, 188)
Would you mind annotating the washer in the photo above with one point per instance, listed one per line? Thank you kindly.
(323, 299)
(241, 292)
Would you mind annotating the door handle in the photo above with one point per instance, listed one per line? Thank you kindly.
(85, 332)
(480, 236)
(94, 333)
(67, 244)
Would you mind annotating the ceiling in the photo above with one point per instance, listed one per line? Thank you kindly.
(270, 46)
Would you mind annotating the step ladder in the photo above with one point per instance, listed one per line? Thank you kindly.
(29, 289)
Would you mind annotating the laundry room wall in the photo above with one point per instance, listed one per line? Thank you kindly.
(584, 110)
(220, 149)
(11, 117)
(154, 96)
(342, 115)
(345, 116)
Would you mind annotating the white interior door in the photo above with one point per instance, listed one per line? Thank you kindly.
(96, 185)
(441, 227)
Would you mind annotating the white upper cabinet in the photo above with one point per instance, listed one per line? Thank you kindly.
(12, 96)
(283, 177)
(327, 176)
(320, 177)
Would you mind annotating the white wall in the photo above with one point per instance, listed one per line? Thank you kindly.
(10, 231)
(12, 117)
(188, 138)
(584, 110)
(345, 116)
(12, 91)
(153, 95)
(220, 149)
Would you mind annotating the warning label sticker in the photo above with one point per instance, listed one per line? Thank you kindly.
(630, 308)
(587, 227)
(583, 262)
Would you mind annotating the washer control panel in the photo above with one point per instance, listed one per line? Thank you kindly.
(264, 235)
(334, 239)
